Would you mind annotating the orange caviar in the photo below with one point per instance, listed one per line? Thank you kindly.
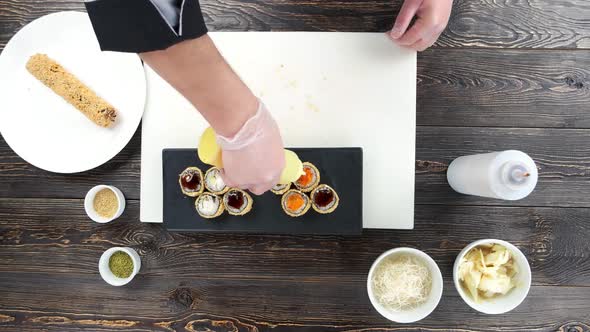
(295, 202)
(307, 178)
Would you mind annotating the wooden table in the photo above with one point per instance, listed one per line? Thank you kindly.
(505, 75)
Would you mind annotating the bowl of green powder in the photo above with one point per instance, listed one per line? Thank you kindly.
(118, 265)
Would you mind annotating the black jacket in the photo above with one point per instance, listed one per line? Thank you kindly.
(140, 26)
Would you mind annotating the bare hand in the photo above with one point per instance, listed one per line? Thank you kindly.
(432, 18)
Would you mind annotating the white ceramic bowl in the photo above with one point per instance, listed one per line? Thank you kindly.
(409, 316)
(89, 206)
(504, 303)
(105, 271)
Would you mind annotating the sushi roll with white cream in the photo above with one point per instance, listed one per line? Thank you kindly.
(214, 183)
(280, 189)
(209, 205)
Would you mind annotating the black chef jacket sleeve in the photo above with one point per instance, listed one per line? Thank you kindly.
(140, 26)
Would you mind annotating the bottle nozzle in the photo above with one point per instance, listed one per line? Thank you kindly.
(515, 174)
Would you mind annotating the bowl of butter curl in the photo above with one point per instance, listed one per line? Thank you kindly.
(492, 276)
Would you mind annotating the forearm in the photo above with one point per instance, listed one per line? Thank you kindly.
(198, 71)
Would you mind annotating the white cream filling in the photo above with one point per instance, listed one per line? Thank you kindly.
(214, 181)
(208, 205)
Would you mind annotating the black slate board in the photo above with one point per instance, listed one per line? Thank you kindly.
(341, 168)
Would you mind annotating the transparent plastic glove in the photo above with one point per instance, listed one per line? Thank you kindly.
(432, 17)
(254, 158)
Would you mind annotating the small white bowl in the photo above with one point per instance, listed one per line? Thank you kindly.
(89, 204)
(105, 271)
(502, 303)
(409, 316)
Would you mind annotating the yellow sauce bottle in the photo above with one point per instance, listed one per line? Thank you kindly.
(210, 153)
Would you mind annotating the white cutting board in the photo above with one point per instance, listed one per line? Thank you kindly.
(325, 89)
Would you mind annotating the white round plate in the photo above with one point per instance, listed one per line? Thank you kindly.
(40, 126)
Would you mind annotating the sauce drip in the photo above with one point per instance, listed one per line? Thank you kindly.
(295, 202)
(306, 179)
(190, 181)
(323, 197)
(235, 199)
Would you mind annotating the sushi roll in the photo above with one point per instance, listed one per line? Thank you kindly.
(280, 189)
(324, 199)
(295, 203)
(308, 181)
(214, 183)
(237, 202)
(191, 181)
(209, 205)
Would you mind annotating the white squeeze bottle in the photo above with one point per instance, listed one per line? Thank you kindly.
(509, 175)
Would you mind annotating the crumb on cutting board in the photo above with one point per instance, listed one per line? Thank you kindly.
(312, 106)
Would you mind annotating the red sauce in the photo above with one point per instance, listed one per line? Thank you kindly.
(235, 199)
(323, 197)
(190, 181)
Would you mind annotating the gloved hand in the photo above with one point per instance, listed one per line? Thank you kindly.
(254, 158)
(432, 18)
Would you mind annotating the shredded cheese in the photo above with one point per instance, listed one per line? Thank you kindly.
(401, 282)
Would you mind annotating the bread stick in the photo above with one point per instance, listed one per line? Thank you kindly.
(70, 88)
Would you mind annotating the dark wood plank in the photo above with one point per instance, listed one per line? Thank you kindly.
(504, 88)
(489, 23)
(560, 154)
(15, 14)
(300, 15)
(55, 236)
(178, 303)
(519, 24)
(312, 282)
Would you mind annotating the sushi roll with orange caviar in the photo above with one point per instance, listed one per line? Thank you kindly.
(295, 203)
(308, 181)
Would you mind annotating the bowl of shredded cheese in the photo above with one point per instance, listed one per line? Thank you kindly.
(492, 276)
(404, 285)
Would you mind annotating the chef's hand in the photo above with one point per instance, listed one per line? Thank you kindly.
(253, 158)
(252, 149)
(432, 18)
